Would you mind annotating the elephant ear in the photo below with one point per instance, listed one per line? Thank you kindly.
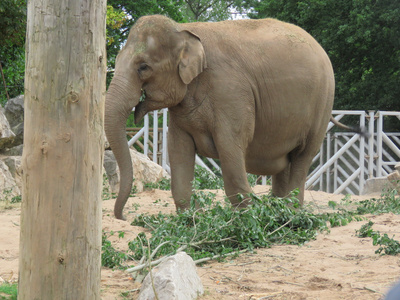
(192, 59)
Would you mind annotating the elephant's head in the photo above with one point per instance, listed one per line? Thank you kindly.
(159, 60)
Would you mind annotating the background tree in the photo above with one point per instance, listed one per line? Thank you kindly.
(127, 12)
(362, 39)
(211, 10)
(12, 50)
(60, 240)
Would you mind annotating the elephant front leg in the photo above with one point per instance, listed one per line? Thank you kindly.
(234, 173)
(181, 151)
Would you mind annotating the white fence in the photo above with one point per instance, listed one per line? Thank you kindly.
(343, 164)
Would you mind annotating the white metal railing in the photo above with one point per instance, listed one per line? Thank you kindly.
(345, 160)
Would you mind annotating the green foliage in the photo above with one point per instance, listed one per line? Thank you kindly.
(212, 228)
(12, 51)
(388, 246)
(12, 22)
(123, 14)
(115, 21)
(215, 228)
(211, 10)
(361, 38)
(110, 257)
(163, 184)
(388, 202)
(203, 179)
(342, 218)
(8, 291)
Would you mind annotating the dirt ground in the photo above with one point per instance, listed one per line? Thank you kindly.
(337, 265)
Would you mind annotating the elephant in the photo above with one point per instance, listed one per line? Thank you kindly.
(255, 94)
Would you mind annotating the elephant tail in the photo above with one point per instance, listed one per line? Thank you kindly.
(357, 129)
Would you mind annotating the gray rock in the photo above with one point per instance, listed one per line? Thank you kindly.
(5, 128)
(8, 186)
(14, 167)
(376, 185)
(14, 151)
(14, 111)
(111, 167)
(174, 279)
(7, 137)
(144, 170)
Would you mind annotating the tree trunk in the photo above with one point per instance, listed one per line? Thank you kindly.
(60, 242)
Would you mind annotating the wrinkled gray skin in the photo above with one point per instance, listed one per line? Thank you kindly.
(257, 94)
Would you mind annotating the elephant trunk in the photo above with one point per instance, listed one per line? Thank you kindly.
(118, 106)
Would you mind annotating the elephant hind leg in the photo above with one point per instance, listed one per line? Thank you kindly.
(292, 177)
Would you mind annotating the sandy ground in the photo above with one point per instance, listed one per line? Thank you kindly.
(337, 265)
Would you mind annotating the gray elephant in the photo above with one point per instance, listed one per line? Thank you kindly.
(256, 94)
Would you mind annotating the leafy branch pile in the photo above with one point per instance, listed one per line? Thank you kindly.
(211, 229)
(215, 228)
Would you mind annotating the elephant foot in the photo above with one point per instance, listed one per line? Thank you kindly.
(182, 205)
(240, 201)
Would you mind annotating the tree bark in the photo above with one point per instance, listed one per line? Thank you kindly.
(60, 241)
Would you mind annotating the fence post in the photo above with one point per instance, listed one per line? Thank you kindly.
(371, 153)
(146, 135)
(379, 149)
(155, 135)
(328, 154)
(362, 155)
(164, 139)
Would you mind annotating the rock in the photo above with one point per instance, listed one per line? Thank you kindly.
(382, 184)
(375, 185)
(14, 166)
(14, 111)
(112, 171)
(14, 151)
(174, 279)
(144, 170)
(106, 143)
(5, 128)
(8, 186)
(394, 179)
(7, 137)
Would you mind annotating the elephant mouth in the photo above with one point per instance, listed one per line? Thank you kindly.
(140, 112)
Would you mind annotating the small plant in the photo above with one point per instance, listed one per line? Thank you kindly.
(388, 202)
(110, 257)
(8, 291)
(16, 199)
(6, 196)
(106, 193)
(388, 246)
(342, 218)
(163, 184)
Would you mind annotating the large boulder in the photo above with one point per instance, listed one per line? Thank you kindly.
(14, 111)
(8, 186)
(144, 170)
(174, 279)
(7, 137)
(382, 184)
(14, 167)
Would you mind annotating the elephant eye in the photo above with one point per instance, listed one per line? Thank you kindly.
(144, 71)
(143, 67)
